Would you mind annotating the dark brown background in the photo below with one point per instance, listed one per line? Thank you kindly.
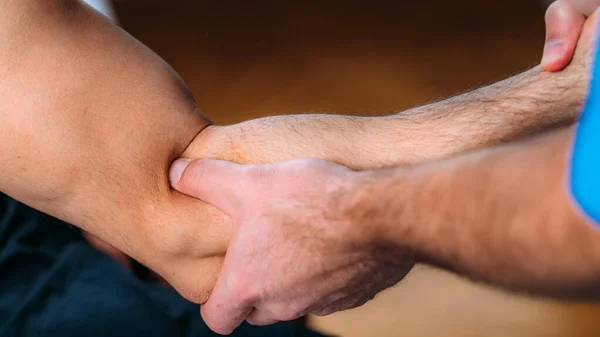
(245, 59)
(251, 58)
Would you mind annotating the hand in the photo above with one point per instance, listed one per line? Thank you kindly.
(295, 249)
(564, 23)
(350, 141)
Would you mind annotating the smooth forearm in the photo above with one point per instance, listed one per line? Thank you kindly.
(89, 124)
(75, 121)
(502, 216)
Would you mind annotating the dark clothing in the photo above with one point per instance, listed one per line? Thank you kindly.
(52, 283)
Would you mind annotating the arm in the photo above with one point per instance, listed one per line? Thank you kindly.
(91, 120)
(525, 104)
(510, 222)
(500, 215)
(353, 235)
(517, 107)
(89, 123)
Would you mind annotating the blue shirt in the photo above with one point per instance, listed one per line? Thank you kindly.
(585, 158)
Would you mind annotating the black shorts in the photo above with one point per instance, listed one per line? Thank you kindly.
(53, 283)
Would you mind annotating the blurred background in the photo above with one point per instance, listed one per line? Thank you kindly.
(245, 59)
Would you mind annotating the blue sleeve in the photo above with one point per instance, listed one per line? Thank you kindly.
(585, 159)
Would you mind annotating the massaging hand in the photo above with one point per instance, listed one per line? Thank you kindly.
(294, 250)
(564, 24)
(287, 137)
(109, 165)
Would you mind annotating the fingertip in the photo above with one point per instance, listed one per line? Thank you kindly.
(176, 171)
(221, 313)
(555, 56)
(586, 7)
(217, 321)
(206, 314)
(563, 28)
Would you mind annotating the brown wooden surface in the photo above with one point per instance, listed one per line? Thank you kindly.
(246, 59)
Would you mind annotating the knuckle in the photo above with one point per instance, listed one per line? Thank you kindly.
(586, 8)
(259, 175)
(195, 169)
(192, 176)
(219, 327)
(261, 319)
(254, 171)
(557, 9)
(243, 291)
(291, 312)
(289, 315)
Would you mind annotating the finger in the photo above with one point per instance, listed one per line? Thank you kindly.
(222, 313)
(564, 24)
(585, 7)
(229, 304)
(213, 181)
(261, 318)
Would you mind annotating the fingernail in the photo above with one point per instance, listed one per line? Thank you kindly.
(177, 169)
(552, 50)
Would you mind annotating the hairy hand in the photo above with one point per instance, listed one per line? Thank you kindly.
(370, 143)
(294, 250)
(108, 127)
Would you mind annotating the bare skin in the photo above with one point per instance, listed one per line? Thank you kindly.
(91, 121)
(564, 24)
(349, 235)
(354, 234)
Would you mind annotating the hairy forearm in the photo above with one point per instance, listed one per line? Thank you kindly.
(519, 106)
(502, 216)
(91, 120)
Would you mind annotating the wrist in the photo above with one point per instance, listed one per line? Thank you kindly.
(520, 106)
(561, 95)
(345, 140)
(374, 216)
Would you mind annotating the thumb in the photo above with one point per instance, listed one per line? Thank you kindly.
(564, 23)
(213, 181)
(586, 7)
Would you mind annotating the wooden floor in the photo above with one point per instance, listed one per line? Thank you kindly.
(246, 59)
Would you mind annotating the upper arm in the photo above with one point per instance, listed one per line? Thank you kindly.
(90, 121)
